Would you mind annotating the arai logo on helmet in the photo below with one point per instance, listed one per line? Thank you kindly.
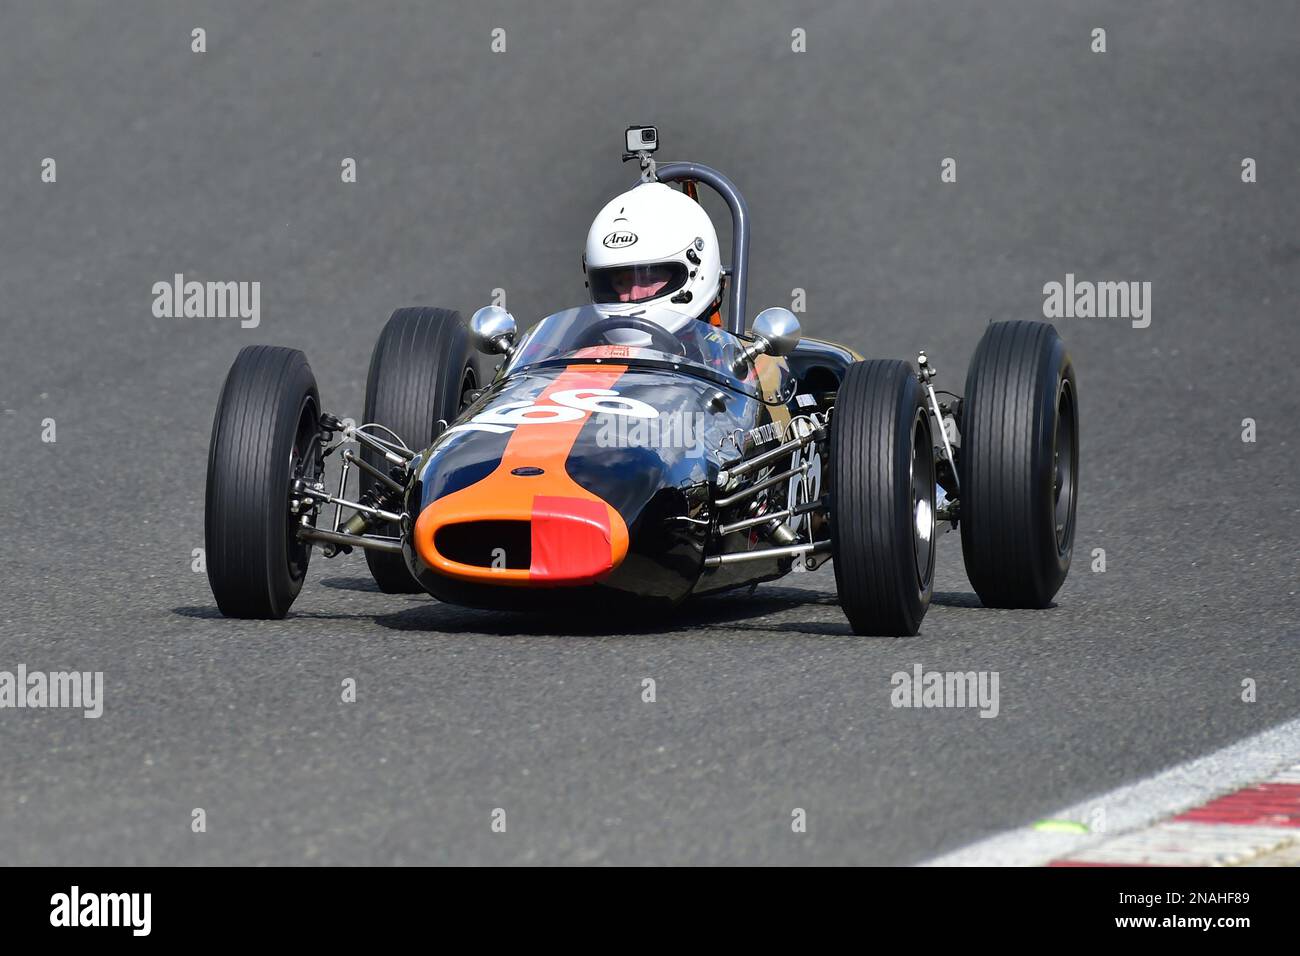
(618, 240)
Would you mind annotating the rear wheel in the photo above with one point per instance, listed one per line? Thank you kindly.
(264, 436)
(1020, 463)
(420, 372)
(882, 498)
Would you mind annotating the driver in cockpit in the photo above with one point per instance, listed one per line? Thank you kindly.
(652, 254)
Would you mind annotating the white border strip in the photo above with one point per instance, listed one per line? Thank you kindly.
(1138, 804)
(1193, 844)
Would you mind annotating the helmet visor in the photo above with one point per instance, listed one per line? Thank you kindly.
(636, 283)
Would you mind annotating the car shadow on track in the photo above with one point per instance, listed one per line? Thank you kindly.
(956, 599)
(210, 612)
(207, 613)
(941, 598)
(732, 611)
(351, 584)
(728, 611)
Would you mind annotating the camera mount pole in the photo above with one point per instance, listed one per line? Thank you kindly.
(647, 165)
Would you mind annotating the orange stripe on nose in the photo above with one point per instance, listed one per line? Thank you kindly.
(576, 536)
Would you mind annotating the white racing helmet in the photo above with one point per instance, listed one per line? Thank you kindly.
(652, 252)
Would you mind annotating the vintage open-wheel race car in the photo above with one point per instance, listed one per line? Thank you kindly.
(610, 459)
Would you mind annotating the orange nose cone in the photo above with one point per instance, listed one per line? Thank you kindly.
(572, 541)
(574, 537)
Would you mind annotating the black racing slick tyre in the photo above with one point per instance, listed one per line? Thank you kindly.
(420, 372)
(264, 436)
(1019, 465)
(882, 498)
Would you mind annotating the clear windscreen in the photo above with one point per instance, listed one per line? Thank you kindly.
(588, 333)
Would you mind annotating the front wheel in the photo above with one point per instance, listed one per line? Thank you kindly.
(264, 437)
(421, 372)
(1020, 465)
(882, 498)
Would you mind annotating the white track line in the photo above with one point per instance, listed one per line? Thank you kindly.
(1139, 804)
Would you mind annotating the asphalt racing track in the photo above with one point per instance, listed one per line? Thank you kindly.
(480, 170)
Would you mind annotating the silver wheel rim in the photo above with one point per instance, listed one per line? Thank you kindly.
(1065, 462)
(921, 474)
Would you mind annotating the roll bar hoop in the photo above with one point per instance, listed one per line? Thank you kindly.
(739, 268)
